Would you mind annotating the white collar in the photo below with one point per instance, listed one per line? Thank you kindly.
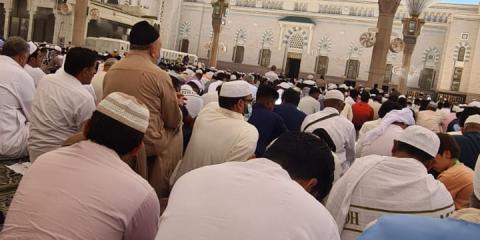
(230, 114)
(331, 110)
(69, 78)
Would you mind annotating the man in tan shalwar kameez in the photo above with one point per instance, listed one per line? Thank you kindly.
(139, 76)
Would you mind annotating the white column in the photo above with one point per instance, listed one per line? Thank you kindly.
(6, 24)
(30, 24)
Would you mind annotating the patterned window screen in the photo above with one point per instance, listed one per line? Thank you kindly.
(238, 52)
(352, 69)
(321, 65)
(264, 57)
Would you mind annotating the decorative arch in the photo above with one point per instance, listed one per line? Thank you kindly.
(296, 37)
(324, 46)
(462, 52)
(354, 50)
(431, 56)
(185, 30)
(240, 37)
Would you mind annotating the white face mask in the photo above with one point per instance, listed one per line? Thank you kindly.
(248, 114)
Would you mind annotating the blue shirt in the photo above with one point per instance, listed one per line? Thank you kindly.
(269, 125)
(290, 114)
(405, 227)
(469, 148)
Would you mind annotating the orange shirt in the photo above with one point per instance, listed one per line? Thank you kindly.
(459, 182)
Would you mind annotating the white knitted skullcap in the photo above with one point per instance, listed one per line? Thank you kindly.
(125, 109)
(421, 138)
(235, 89)
(335, 94)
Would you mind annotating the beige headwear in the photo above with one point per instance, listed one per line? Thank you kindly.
(125, 109)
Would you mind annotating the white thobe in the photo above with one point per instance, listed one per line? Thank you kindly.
(271, 76)
(381, 146)
(378, 185)
(36, 73)
(340, 130)
(17, 89)
(367, 126)
(219, 135)
(209, 97)
(430, 120)
(375, 106)
(194, 102)
(349, 100)
(60, 107)
(253, 200)
(253, 90)
(309, 105)
(347, 112)
(97, 84)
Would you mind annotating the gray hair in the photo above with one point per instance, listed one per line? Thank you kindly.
(15, 46)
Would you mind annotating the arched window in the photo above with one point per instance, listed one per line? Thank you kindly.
(352, 69)
(321, 65)
(238, 52)
(264, 57)
(461, 54)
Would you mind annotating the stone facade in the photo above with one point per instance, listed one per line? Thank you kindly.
(448, 27)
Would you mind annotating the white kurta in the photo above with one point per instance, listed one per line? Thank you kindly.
(375, 106)
(309, 105)
(219, 135)
(340, 130)
(97, 84)
(17, 89)
(347, 112)
(209, 97)
(60, 107)
(194, 102)
(367, 126)
(36, 73)
(381, 146)
(253, 200)
(376, 185)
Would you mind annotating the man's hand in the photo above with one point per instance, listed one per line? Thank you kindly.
(181, 99)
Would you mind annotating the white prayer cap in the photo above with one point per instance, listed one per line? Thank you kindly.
(373, 95)
(401, 96)
(380, 90)
(125, 109)
(351, 87)
(457, 109)
(343, 86)
(284, 85)
(310, 77)
(32, 47)
(199, 71)
(189, 72)
(335, 94)
(309, 82)
(209, 74)
(476, 179)
(233, 77)
(474, 104)
(420, 138)
(235, 89)
(473, 119)
(57, 48)
(332, 86)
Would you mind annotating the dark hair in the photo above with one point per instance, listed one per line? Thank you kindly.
(414, 152)
(228, 102)
(365, 96)
(113, 134)
(467, 112)
(305, 156)
(291, 96)
(314, 90)
(78, 59)
(265, 91)
(403, 102)
(323, 134)
(15, 46)
(447, 142)
(387, 107)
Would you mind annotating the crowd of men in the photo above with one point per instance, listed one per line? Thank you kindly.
(239, 156)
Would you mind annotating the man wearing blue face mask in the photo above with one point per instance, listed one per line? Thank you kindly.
(220, 133)
(269, 124)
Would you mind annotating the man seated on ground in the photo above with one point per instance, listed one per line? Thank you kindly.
(62, 105)
(453, 174)
(463, 224)
(430, 118)
(338, 127)
(220, 133)
(269, 124)
(35, 61)
(310, 104)
(379, 185)
(379, 141)
(362, 112)
(16, 95)
(469, 142)
(288, 110)
(384, 109)
(88, 190)
(276, 197)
